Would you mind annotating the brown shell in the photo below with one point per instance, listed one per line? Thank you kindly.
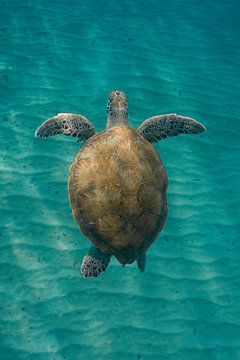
(117, 190)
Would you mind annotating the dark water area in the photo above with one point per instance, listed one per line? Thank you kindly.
(177, 56)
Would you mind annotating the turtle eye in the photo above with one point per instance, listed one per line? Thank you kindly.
(117, 92)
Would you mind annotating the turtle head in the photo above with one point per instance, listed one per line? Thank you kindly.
(117, 109)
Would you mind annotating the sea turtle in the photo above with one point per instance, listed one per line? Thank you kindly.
(117, 182)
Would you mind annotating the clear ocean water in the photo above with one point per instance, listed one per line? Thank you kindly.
(66, 56)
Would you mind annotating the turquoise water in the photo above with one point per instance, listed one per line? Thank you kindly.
(176, 56)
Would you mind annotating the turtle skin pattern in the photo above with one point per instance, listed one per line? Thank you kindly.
(117, 190)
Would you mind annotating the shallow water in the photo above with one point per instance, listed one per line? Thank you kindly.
(180, 56)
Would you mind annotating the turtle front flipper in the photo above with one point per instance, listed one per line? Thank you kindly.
(162, 126)
(68, 124)
(141, 262)
(94, 263)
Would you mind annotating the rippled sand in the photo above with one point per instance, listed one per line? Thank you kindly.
(64, 56)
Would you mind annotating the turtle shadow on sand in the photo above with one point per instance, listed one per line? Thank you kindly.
(117, 182)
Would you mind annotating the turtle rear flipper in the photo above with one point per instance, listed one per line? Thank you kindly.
(68, 124)
(162, 126)
(94, 263)
(141, 262)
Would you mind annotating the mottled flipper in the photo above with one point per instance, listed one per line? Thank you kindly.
(67, 124)
(162, 126)
(141, 262)
(94, 263)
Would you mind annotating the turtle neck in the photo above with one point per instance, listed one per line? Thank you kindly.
(117, 118)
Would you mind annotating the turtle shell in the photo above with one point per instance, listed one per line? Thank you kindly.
(117, 191)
